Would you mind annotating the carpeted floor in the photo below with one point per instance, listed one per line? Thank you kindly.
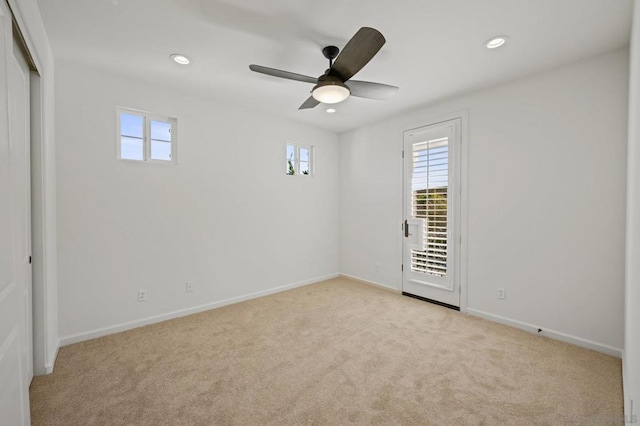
(337, 352)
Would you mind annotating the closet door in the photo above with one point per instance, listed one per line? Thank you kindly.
(16, 356)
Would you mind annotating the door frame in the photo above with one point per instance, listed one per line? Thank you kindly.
(463, 116)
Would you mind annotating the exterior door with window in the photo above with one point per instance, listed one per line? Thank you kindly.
(431, 210)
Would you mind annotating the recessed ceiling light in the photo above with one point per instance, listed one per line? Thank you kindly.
(331, 110)
(497, 41)
(180, 59)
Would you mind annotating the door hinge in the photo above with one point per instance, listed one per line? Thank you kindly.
(29, 260)
(402, 153)
(402, 267)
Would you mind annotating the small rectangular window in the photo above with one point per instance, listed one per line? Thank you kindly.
(299, 160)
(131, 137)
(146, 137)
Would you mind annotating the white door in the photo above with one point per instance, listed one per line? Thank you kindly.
(431, 210)
(16, 363)
(20, 142)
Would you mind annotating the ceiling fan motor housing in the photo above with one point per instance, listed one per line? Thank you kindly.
(330, 90)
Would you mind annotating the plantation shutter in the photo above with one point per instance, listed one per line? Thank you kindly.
(430, 190)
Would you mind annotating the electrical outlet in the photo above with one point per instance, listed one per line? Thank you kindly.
(377, 267)
(142, 295)
(502, 293)
(189, 287)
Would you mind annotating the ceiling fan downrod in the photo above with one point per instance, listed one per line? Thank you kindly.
(330, 52)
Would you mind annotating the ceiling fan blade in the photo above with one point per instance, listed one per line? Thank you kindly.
(357, 53)
(309, 103)
(369, 90)
(283, 74)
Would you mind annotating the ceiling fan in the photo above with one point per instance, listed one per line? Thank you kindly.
(335, 85)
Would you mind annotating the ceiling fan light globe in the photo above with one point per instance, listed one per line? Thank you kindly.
(330, 92)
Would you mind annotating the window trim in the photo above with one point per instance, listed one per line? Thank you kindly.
(148, 117)
(296, 160)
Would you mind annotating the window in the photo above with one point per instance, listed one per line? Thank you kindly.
(146, 137)
(299, 160)
(430, 190)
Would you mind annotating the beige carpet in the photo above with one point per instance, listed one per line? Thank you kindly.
(337, 352)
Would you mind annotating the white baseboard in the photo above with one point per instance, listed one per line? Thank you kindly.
(80, 337)
(372, 283)
(48, 367)
(557, 335)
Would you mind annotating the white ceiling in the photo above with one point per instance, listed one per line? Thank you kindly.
(434, 48)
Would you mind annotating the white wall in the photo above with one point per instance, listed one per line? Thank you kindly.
(546, 199)
(45, 273)
(226, 217)
(632, 295)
